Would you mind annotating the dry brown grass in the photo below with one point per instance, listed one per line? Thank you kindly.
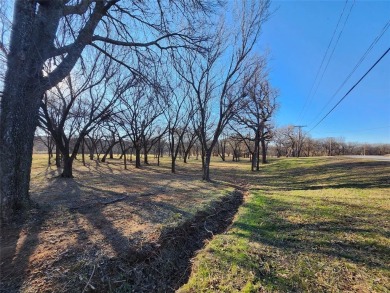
(104, 213)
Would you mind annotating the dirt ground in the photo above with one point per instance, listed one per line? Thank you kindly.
(112, 230)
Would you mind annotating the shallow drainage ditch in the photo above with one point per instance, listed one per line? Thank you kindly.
(170, 267)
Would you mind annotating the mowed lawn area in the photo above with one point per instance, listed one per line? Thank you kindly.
(308, 225)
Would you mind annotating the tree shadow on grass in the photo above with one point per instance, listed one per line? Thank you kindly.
(319, 237)
(339, 174)
(347, 239)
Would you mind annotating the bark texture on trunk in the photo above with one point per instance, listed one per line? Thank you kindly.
(34, 29)
(19, 112)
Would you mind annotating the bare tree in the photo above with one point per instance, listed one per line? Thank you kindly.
(47, 139)
(138, 114)
(221, 147)
(76, 106)
(235, 143)
(217, 80)
(256, 111)
(289, 142)
(188, 142)
(42, 31)
(178, 114)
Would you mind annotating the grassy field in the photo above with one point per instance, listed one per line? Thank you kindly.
(308, 225)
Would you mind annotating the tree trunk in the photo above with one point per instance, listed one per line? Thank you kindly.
(158, 152)
(263, 152)
(146, 162)
(124, 158)
(186, 156)
(109, 152)
(83, 152)
(206, 166)
(253, 160)
(50, 155)
(137, 158)
(172, 149)
(91, 153)
(19, 113)
(58, 157)
(173, 165)
(67, 171)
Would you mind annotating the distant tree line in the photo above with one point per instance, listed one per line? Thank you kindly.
(288, 141)
(230, 147)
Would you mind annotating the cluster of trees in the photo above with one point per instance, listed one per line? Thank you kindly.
(129, 73)
(290, 141)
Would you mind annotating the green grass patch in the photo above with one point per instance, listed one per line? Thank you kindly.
(308, 225)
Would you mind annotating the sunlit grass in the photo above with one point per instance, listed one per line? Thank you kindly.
(308, 225)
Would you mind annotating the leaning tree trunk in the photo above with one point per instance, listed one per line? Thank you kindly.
(109, 152)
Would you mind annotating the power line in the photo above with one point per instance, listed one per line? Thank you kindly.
(334, 48)
(310, 95)
(384, 54)
(374, 42)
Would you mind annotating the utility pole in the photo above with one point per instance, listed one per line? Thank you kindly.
(299, 137)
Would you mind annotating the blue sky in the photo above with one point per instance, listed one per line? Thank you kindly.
(297, 36)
